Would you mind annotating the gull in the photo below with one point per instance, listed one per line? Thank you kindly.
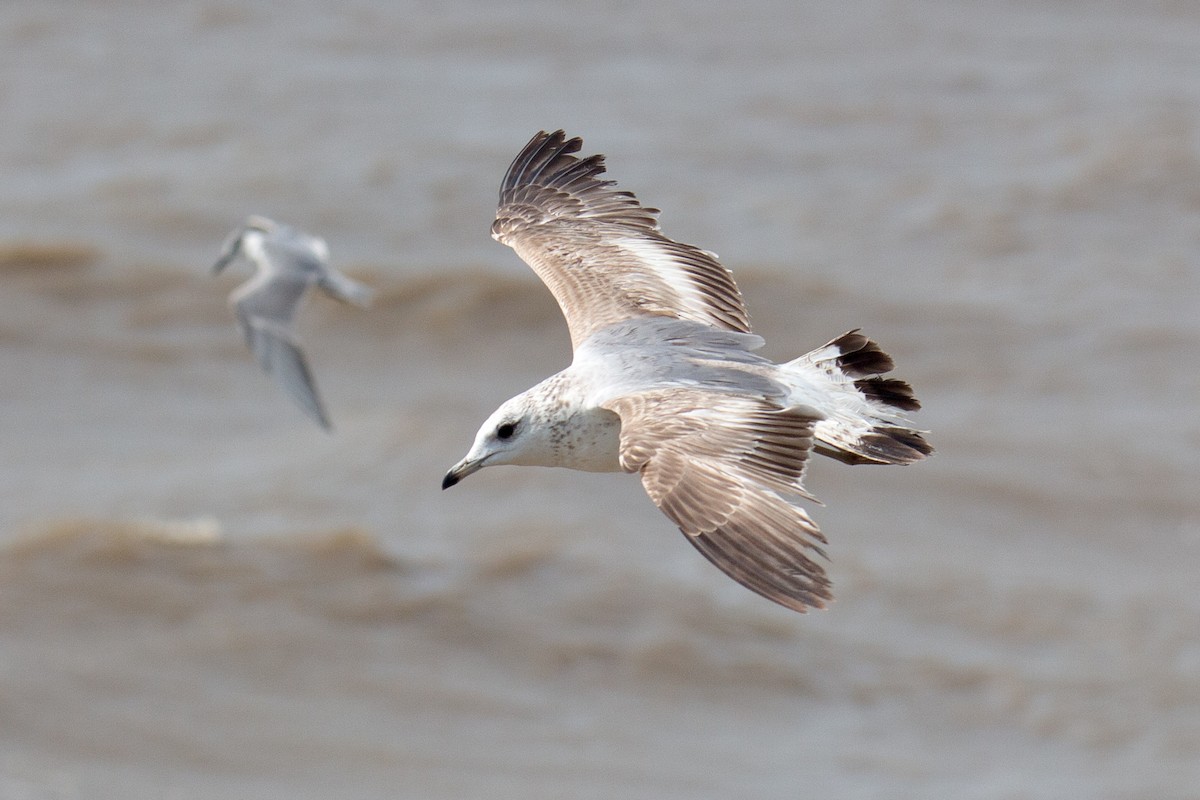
(665, 382)
(288, 262)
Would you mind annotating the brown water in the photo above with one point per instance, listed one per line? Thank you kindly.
(202, 595)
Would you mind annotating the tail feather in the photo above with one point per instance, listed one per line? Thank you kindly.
(857, 356)
(879, 445)
(891, 392)
(866, 423)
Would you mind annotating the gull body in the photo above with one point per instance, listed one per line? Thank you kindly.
(288, 263)
(665, 381)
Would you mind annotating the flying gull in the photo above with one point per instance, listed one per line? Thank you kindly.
(665, 382)
(288, 261)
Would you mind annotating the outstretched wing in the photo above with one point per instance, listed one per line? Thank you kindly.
(600, 251)
(338, 286)
(722, 467)
(264, 314)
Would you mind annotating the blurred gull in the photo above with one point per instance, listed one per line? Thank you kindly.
(664, 381)
(288, 261)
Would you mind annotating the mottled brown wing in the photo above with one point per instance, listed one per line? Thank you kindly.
(717, 465)
(600, 251)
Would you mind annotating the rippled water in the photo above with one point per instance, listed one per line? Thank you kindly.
(202, 595)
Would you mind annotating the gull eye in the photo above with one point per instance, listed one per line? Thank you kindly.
(506, 431)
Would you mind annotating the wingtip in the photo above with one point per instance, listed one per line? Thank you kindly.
(317, 411)
(364, 296)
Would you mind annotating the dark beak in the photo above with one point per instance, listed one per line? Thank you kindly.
(232, 246)
(221, 264)
(461, 470)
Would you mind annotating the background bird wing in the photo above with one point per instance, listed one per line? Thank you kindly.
(338, 286)
(600, 251)
(306, 257)
(272, 295)
(720, 466)
(264, 313)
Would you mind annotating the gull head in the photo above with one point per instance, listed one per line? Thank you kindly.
(509, 436)
(541, 428)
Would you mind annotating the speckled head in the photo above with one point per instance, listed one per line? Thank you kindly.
(543, 427)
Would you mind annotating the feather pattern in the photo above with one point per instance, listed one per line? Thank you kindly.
(666, 382)
(600, 251)
(720, 466)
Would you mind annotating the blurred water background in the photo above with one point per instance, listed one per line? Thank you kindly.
(202, 595)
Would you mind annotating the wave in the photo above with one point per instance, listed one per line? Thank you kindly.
(1040, 655)
(138, 310)
(72, 297)
(45, 257)
(528, 601)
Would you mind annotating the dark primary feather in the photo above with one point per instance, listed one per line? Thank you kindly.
(601, 252)
(546, 182)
